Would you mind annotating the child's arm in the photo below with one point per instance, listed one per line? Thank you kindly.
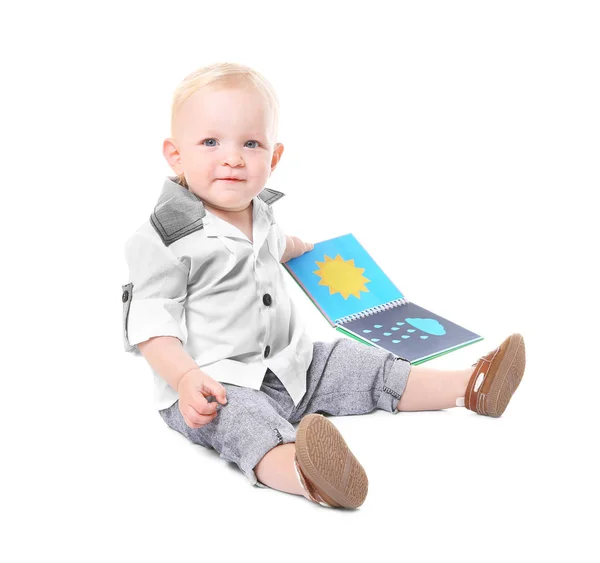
(153, 324)
(294, 247)
(169, 359)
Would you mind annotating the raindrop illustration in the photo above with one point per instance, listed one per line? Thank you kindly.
(387, 334)
(424, 337)
(411, 330)
(396, 341)
(405, 336)
(395, 328)
(374, 339)
(377, 326)
(366, 330)
(399, 324)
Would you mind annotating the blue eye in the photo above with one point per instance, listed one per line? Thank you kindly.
(212, 139)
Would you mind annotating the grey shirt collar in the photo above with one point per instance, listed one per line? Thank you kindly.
(179, 212)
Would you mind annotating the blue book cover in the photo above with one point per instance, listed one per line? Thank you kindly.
(359, 300)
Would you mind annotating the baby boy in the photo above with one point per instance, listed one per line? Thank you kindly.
(206, 305)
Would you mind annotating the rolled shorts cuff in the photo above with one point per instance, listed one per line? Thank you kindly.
(268, 441)
(394, 385)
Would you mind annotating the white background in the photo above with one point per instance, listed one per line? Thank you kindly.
(458, 141)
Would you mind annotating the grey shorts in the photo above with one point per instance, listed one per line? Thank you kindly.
(345, 377)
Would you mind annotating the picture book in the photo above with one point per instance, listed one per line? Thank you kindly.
(359, 300)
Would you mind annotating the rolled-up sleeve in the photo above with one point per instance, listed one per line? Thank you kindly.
(154, 298)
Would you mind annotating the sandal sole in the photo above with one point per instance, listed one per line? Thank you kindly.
(507, 377)
(326, 460)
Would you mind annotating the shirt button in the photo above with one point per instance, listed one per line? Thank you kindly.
(267, 351)
(267, 299)
(125, 296)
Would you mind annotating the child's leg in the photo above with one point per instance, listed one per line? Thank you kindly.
(250, 431)
(319, 466)
(486, 387)
(431, 389)
(276, 470)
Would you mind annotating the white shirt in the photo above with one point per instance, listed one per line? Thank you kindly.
(197, 277)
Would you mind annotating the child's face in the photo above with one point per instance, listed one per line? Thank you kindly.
(219, 134)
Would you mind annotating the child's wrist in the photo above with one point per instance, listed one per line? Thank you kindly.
(180, 378)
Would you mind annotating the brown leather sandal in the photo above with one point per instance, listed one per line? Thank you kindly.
(496, 377)
(327, 469)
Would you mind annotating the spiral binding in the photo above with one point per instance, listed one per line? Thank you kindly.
(372, 311)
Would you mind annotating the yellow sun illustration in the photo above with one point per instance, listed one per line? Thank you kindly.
(342, 276)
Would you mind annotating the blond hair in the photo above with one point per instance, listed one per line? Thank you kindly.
(224, 75)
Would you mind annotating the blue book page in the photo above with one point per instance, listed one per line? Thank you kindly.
(342, 278)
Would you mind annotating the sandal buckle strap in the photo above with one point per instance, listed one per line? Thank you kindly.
(310, 490)
(474, 399)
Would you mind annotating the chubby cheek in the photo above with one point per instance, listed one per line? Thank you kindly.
(261, 169)
(202, 168)
(258, 176)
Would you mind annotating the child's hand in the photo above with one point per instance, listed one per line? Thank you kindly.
(295, 247)
(193, 388)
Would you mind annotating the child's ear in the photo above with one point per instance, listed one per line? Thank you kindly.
(277, 152)
(172, 156)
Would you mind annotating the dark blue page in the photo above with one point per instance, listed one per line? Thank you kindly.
(411, 332)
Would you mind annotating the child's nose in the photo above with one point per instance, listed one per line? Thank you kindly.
(233, 160)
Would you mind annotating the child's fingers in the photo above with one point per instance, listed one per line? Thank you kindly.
(204, 407)
(194, 419)
(215, 389)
